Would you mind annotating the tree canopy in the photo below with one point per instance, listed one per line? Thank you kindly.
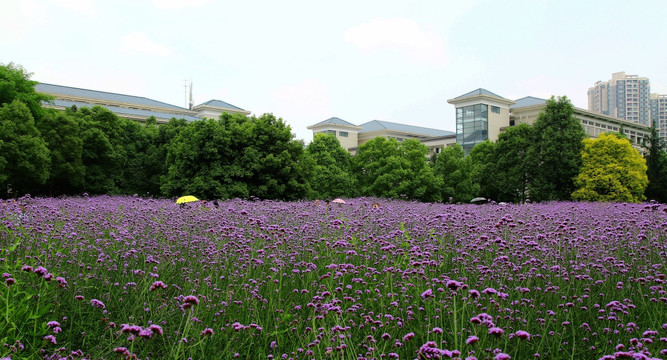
(555, 151)
(236, 156)
(612, 170)
(331, 172)
(24, 156)
(656, 162)
(388, 168)
(15, 84)
(513, 172)
(484, 169)
(61, 133)
(454, 171)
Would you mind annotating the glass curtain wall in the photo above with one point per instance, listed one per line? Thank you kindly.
(472, 125)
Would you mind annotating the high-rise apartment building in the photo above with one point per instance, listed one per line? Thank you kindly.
(659, 114)
(624, 96)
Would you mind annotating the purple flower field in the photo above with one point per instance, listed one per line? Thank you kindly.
(131, 278)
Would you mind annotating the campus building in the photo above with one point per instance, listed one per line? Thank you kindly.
(352, 136)
(480, 115)
(495, 118)
(133, 107)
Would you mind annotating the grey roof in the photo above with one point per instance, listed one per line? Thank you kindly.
(120, 111)
(334, 121)
(102, 95)
(528, 101)
(377, 125)
(479, 91)
(221, 104)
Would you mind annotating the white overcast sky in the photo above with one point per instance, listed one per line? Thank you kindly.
(306, 61)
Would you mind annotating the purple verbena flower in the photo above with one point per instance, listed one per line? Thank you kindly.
(97, 303)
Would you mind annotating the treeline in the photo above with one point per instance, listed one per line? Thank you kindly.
(91, 150)
(548, 161)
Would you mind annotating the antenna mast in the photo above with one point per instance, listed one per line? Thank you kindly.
(185, 93)
(192, 103)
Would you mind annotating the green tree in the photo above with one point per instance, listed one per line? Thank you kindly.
(555, 152)
(138, 163)
(15, 84)
(656, 162)
(60, 131)
(387, 168)
(612, 170)
(24, 156)
(272, 159)
(197, 158)
(103, 152)
(236, 156)
(156, 157)
(423, 184)
(455, 172)
(512, 176)
(482, 158)
(331, 176)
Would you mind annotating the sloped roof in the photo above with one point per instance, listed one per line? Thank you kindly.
(120, 111)
(377, 125)
(102, 95)
(528, 101)
(220, 104)
(334, 121)
(477, 92)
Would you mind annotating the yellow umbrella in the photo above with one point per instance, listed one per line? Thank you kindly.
(186, 199)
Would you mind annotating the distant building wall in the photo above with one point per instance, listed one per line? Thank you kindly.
(659, 114)
(128, 106)
(593, 123)
(623, 96)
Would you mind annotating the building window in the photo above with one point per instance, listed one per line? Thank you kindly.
(342, 133)
(328, 132)
(472, 125)
(495, 109)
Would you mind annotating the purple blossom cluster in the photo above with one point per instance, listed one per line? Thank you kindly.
(369, 279)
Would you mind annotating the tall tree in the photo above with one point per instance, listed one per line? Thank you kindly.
(483, 161)
(272, 159)
(423, 184)
(197, 158)
(136, 163)
(379, 168)
(387, 168)
(24, 156)
(455, 172)
(15, 84)
(60, 131)
(656, 162)
(331, 176)
(157, 168)
(612, 170)
(236, 156)
(555, 152)
(512, 176)
(102, 153)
